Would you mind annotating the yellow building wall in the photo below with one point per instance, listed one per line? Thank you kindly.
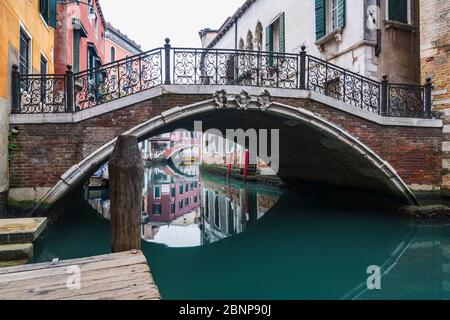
(13, 15)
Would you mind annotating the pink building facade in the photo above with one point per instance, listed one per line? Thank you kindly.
(79, 37)
(118, 46)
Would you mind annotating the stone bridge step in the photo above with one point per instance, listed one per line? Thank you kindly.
(24, 230)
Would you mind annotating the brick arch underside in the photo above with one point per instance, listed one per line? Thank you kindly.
(315, 154)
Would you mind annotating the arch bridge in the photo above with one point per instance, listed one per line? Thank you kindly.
(338, 129)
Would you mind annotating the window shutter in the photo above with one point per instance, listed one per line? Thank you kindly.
(52, 13)
(282, 34)
(341, 13)
(320, 19)
(269, 43)
(269, 38)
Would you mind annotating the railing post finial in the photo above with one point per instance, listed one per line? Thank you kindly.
(384, 95)
(70, 80)
(303, 68)
(167, 48)
(428, 97)
(15, 89)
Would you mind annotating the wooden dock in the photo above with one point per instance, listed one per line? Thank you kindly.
(118, 276)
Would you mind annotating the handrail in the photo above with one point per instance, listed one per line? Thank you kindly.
(72, 92)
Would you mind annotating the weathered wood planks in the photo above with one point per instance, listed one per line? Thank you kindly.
(118, 276)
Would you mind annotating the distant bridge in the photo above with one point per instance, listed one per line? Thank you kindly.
(337, 129)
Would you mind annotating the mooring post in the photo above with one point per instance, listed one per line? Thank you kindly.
(126, 171)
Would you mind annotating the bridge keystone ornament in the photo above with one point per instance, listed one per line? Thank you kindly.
(220, 99)
(243, 99)
(265, 100)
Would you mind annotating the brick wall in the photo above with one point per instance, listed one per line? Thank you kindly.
(46, 151)
(435, 48)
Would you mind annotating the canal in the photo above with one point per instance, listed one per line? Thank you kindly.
(207, 237)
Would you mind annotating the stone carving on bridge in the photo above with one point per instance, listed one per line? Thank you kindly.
(243, 100)
(265, 100)
(220, 99)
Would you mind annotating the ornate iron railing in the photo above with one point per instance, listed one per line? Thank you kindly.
(343, 85)
(41, 93)
(406, 100)
(190, 66)
(235, 67)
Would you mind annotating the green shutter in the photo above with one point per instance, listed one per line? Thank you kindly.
(269, 43)
(341, 13)
(269, 38)
(320, 19)
(282, 34)
(52, 13)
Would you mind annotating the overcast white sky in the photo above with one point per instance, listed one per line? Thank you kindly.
(149, 22)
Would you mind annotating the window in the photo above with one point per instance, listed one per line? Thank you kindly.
(181, 204)
(157, 193)
(25, 47)
(173, 192)
(44, 71)
(195, 199)
(172, 208)
(181, 189)
(186, 202)
(47, 9)
(275, 35)
(333, 15)
(330, 16)
(113, 54)
(44, 65)
(399, 11)
(156, 209)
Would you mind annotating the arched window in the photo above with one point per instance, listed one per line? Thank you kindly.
(113, 54)
(241, 44)
(249, 41)
(259, 36)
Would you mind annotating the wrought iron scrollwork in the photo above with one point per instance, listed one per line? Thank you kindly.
(406, 101)
(343, 85)
(117, 80)
(42, 94)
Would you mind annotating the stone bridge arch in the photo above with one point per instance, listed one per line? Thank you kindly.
(323, 141)
(335, 157)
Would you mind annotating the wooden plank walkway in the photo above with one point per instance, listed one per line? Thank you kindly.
(24, 230)
(118, 276)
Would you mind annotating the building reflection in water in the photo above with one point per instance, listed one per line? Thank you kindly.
(180, 209)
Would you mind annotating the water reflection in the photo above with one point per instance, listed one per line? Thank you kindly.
(183, 208)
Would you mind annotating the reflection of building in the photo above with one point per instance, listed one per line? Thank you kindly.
(181, 143)
(167, 198)
(228, 211)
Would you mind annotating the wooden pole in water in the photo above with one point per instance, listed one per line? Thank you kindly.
(126, 172)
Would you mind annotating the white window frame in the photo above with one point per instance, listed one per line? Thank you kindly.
(30, 48)
(332, 15)
(409, 13)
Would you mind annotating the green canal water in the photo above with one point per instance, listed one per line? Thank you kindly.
(236, 241)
